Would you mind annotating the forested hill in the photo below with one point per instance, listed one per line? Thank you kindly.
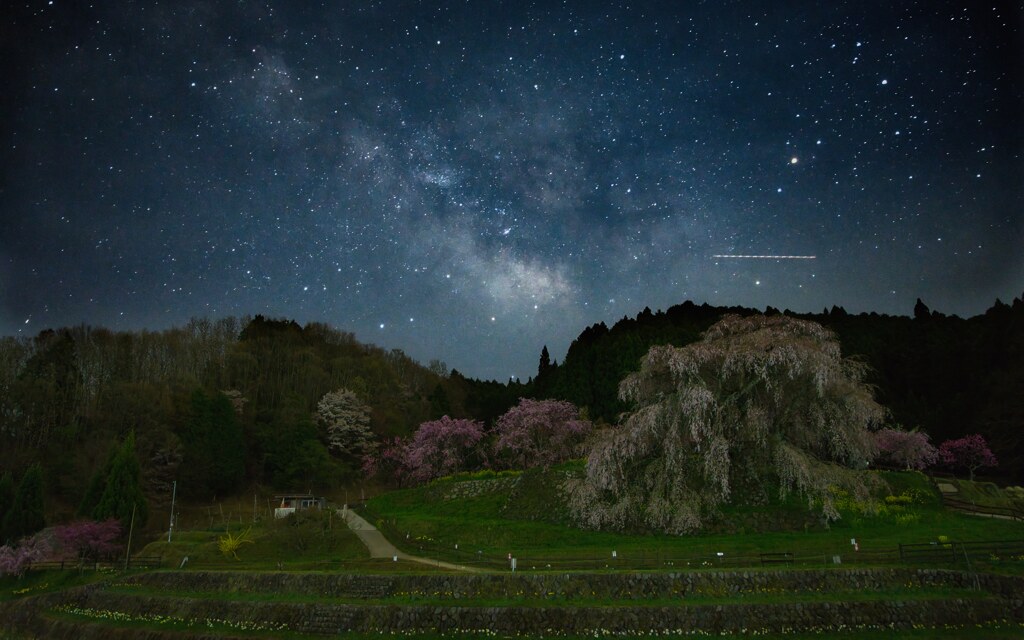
(946, 375)
(220, 405)
(215, 405)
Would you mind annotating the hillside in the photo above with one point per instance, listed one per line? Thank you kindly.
(247, 389)
(481, 517)
(216, 405)
(946, 375)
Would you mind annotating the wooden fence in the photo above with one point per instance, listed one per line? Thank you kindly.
(138, 562)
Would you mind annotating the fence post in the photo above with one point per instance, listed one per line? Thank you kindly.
(901, 552)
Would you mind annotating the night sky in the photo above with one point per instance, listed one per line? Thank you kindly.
(472, 180)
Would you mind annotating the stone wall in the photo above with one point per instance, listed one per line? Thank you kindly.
(1004, 601)
(320, 618)
(617, 586)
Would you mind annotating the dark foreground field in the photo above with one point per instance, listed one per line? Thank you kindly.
(857, 603)
(921, 570)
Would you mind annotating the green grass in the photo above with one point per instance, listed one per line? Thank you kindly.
(987, 494)
(36, 583)
(532, 523)
(307, 540)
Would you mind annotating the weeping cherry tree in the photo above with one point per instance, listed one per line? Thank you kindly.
(759, 404)
(346, 422)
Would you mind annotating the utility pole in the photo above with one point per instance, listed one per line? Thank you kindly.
(131, 529)
(174, 493)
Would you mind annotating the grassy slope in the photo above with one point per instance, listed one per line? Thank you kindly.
(311, 540)
(531, 520)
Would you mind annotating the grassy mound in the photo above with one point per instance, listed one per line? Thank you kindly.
(306, 539)
(489, 516)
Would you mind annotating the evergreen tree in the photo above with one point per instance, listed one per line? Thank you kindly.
(227, 445)
(440, 405)
(214, 447)
(6, 500)
(97, 483)
(545, 362)
(197, 457)
(121, 492)
(25, 516)
(921, 310)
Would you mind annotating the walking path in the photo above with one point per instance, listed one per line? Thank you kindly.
(380, 547)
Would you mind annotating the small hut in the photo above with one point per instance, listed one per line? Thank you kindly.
(292, 502)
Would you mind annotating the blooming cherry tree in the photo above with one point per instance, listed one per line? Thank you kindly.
(15, 560)
(346, 422)
(446, 446)
(88, 538)
(389, 462)
(539, 433)
(760, 402)
(909, 449)
(970, 452)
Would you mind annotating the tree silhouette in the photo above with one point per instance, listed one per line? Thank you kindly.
(26, 514)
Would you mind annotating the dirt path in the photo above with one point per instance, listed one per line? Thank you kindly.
(380, 547)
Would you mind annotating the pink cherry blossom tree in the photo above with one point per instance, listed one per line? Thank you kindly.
(539, 433)
(905, 449)
(446, 446)
(970, 452)
(15, 560)
(88, 538)
(389, 462)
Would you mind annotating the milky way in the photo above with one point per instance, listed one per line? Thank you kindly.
(470, 181)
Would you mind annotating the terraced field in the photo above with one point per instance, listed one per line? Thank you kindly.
(839, 602)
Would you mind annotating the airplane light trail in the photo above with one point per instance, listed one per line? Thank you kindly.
(727, 255)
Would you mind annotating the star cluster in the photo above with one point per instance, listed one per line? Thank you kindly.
(471, 180)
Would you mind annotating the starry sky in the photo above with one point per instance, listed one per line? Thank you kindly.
(471, 180)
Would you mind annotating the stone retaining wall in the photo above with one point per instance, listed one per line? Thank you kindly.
(618, 586)
(328, 619)
(1005, 602)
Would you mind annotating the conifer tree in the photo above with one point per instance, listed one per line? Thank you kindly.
(6, 500)
(227, 444)
(25, 516)
(6, 495)
(214, 446)
(94, 491)
(121, 492)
